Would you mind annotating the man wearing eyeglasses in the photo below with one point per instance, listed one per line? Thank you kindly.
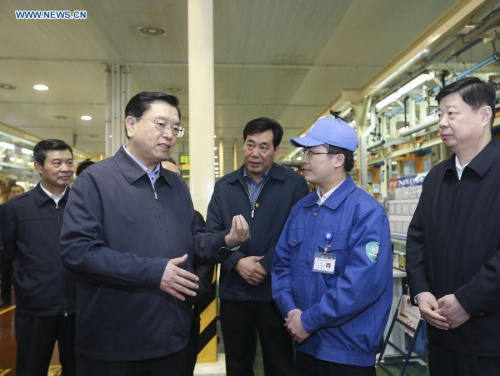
(129, 236)
(332, 270)
(264, 193)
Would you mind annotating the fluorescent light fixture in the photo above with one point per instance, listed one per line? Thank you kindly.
(12, 159)
(403, 90)
(86, 117)
(26, 151)
(6, 145)
(41, 87)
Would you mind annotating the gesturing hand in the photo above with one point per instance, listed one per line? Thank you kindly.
(177, 281)
(239, 232)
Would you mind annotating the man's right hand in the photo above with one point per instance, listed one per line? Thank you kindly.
(177, 281)
(427, 304)
(239, 232)
(250, 269)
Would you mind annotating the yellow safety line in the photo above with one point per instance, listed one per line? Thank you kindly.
(3, 311)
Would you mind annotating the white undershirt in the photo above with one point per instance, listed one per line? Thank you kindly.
(54, 197)
(323, 198)
(459, 167)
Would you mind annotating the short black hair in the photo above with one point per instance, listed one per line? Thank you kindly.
(348, 156)
(474, 91)
(261, 125)
(40, 150)
(83, 165)
(15, 185)
(140, 103)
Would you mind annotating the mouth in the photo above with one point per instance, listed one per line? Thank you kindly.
(165, 147)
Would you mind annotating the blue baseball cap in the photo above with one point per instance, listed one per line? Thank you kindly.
(330, 131)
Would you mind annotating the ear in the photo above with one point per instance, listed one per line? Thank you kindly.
(38, 167)
(276, 151)
(486, 114)
(339, 160)
(130, 124)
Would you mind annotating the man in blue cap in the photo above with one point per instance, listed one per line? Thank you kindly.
(332, 269)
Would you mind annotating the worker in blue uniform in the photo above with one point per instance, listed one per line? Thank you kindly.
(332, 269)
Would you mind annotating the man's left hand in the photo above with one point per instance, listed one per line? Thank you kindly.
(294, 326)
(450, 307)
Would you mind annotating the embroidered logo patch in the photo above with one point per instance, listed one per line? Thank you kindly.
(372, 250)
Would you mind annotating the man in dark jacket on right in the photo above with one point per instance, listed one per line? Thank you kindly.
(264, 193)
(453, 255)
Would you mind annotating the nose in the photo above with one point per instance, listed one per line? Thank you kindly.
(442, 122)
(168, 133)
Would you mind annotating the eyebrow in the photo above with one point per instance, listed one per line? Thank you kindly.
(256, 143)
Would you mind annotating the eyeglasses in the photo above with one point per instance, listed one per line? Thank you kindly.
(162, 126)
(306, 153)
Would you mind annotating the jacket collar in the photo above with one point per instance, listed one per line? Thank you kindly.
(481, 162)
(335, 199)
(41, 197)
(132, 171)
(277, 172)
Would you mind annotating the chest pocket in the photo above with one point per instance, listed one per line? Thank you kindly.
(296, 236)
(338, 246)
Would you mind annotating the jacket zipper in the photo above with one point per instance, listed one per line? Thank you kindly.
(154, 191)
(256, 198)
(64, 270)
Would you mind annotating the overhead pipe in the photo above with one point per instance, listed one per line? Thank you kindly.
(375, 145)
(430, 120)
(363, 147)
(491, 59)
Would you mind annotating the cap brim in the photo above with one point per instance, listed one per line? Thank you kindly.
(307, 142)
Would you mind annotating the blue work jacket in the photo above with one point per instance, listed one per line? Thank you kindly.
(345, 312)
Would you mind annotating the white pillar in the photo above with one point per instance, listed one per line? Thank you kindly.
(201, 102)
(118, 97)
(235, 154)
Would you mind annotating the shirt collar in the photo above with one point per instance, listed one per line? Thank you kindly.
(52, 196)
(459, 167)
(156, 171)
(323, 198)
(262, 177)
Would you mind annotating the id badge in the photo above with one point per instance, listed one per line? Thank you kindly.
(324, 263)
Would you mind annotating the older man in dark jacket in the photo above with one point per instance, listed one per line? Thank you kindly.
(264, 193)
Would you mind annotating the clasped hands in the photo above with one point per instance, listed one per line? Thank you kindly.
(445, 313)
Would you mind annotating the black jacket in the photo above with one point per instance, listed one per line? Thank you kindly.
(282, 189)
(453, 247)
(31, 226)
